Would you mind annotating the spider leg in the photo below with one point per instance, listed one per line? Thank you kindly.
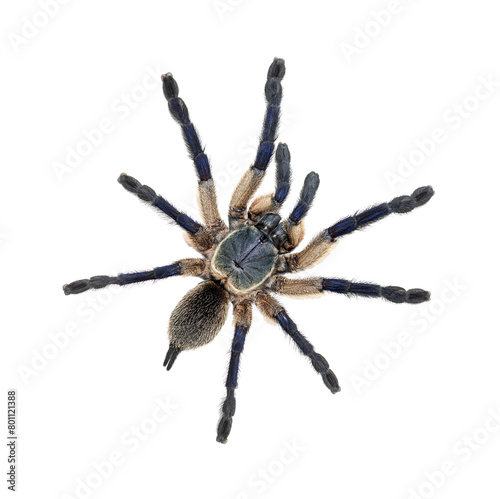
(242, 321)
(310, 287)
(313, 253)
(186, 267)
(275, 312)
(197, 235)
(206, 188)
(294, 226)
(271, 203)
(401, 204)
(322, 244)
(253, 176)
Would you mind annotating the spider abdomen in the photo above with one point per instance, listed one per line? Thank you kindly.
(246, 258)
(199, 316)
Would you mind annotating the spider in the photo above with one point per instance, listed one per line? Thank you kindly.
(246, 262)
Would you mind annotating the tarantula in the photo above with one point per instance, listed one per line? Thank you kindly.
(245, 263)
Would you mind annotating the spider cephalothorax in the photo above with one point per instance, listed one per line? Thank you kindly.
(245, 263)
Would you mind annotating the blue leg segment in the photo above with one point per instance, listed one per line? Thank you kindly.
(178, 217)
(283, 174)
(274, 93)
(306, 198)
(101, 281)
(229, 405)
(148, 195)
(236, 350)
(179, 112)
(394, 294)
(402, 204)
(318, 361)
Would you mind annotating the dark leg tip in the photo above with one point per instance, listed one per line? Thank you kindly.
(405, 204)
(124, 178)
(282, 153)
(331, 381)
(277, 69)
(400, 295)
(224, 429)
(132, 185)
(228, 410)
(395, 294)
(417, 296)
(128, 182)
(321, 365)
(170, 87)
(311, 184)
(76, 287)
(423, 194)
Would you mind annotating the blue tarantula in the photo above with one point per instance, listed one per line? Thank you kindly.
(245, 263)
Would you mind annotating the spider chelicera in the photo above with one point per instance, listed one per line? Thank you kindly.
(245, 263)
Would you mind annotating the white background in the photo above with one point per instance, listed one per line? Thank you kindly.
(354, 105)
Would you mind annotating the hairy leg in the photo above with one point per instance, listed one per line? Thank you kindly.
(312, 254)
(322, 244)
(401, 204)
(271, 203)
(252, 178)
(198, 237)
(314, 286)
(294, 225)
(242, 321)
(186, 267)
(206, 188)
(275, 312)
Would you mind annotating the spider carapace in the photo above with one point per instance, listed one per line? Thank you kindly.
(247, 256)
(245, 263)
